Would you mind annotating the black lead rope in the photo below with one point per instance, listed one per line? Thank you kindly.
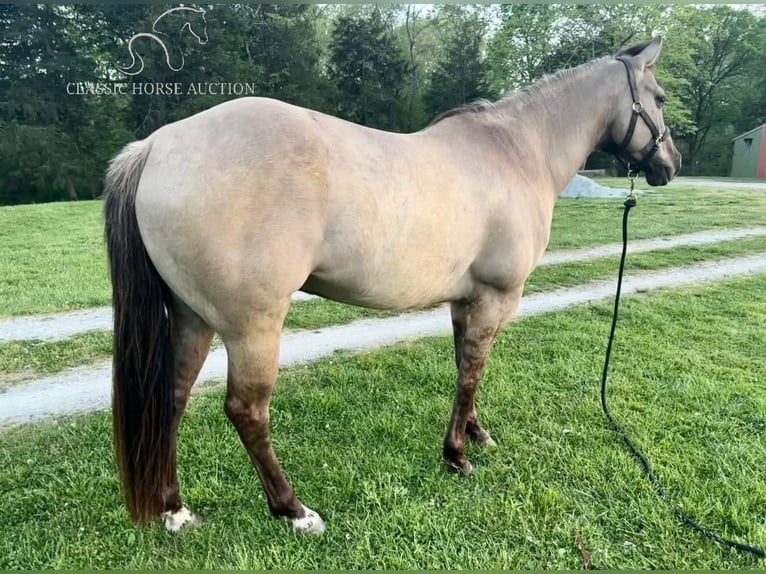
(630, 202)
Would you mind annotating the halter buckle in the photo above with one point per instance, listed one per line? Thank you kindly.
(637, 107)
(659, 140)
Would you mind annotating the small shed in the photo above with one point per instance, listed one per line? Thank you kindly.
(749, 154)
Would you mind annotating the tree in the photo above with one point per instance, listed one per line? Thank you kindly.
(538, 39)
(518, 50)
(459, 76)
(281, 40)
(51, 140)
(752, 93)
(368, 69)
(387, 66)
(416, 26)
(222, 59)
(719, 49)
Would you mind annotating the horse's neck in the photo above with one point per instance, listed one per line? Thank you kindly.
(569, 120)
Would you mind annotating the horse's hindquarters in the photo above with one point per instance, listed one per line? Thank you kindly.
(227, 227)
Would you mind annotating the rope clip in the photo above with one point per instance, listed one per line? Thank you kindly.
(632, 198)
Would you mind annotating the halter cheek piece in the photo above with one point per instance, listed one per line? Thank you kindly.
(648, 151)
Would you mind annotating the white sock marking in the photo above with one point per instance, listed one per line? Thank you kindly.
(311, 523)
(174, 521)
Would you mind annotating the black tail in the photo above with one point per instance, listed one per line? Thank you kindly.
(142, 378)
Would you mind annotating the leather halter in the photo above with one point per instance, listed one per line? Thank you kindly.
(651, 148)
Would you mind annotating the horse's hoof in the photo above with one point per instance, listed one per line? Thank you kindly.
(483, 438)
(310, 523)
(490, 442)
(463, 467)
(182, 518)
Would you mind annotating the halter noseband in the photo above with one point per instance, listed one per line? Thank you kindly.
(651, 148)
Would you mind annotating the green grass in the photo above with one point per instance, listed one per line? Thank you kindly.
(317, 313)
(727, 178)
(583, 222)
(683, 181)
(21, 360)
(359, 436)
(52, 257)
(570, 274)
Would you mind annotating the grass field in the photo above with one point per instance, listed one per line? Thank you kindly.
(52, 256)
(683, 181)
(21, 360)
(359, 436)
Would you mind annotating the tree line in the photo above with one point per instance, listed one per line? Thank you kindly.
(392, 67)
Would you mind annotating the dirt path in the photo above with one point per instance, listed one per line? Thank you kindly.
(88, 388)
(65, 325)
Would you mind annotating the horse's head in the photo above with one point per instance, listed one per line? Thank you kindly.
(637, 131)
(197, 24)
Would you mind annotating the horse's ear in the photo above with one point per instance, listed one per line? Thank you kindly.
(645, 53)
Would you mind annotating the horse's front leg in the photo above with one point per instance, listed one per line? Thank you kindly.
(473, 430)
(475, 327)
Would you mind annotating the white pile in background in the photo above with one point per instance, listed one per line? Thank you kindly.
(582, 186)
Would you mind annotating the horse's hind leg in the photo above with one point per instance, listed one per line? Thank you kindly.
(191, 338)
(479, 324)
(473, 429)
(253, 364)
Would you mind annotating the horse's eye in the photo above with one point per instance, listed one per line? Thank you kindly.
(660, 101)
